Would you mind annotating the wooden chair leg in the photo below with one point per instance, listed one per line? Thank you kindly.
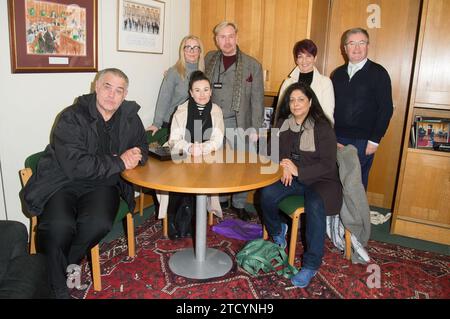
(210, 219)
(294, 233)
(33, 227)
(165, 222)
(130, 235)
(348, 245)
(265, 233)
(96, 278)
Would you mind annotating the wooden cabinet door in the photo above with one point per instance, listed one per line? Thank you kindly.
(433, 73)
(391, 45)
(424, 199)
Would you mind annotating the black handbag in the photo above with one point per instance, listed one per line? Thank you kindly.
(179, 215)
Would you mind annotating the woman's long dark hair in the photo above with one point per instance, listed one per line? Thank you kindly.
(315, 111)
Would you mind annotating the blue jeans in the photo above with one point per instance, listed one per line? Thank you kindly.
(273, 194)
(364, 160)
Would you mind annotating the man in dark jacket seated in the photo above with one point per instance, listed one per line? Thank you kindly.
(77, 187)
(21, 275)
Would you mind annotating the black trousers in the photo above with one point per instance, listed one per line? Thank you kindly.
(71, 224)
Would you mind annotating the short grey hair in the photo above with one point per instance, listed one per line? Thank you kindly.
(116, 72)
(349, 32)
(223, 25)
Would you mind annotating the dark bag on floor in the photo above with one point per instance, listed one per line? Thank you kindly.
(179, 214)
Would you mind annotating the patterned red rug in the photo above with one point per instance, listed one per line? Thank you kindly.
(403, 273)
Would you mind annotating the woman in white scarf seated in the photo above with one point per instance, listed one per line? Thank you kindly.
(307, 153)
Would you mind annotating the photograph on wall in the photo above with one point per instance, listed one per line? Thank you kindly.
(141, 26)
(53, 36)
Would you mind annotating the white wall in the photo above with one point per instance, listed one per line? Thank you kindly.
(2, 201)
(30, 102)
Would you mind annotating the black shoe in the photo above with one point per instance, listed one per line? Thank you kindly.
(172, 231)
(174, 236)
(225, 205)
(241, 213)
(184, 234)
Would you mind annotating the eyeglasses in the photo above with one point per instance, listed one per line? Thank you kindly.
(188, 48)
(353, 44)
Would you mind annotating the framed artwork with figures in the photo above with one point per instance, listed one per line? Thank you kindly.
(53, 36)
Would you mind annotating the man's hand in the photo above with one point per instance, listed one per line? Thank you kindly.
(131, 157)
(152, 128)
(340, 146)
(371, 148)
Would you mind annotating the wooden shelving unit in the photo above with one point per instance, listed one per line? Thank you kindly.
(422, 203)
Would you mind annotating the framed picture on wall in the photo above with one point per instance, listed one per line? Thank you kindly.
(141, 26)
(53, 35)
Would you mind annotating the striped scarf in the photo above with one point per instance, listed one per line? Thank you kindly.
(237, 84)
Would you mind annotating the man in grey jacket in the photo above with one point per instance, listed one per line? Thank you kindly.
(238, 89)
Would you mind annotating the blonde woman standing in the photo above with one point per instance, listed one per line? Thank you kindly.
(174, 88)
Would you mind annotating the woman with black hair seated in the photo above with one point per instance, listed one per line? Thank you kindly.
(307, 149)
(197, 129)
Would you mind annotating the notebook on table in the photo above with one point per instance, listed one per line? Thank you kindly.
(162, 153)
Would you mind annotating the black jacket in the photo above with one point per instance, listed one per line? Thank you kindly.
(72, 153)
(363, 105)
(317, 169)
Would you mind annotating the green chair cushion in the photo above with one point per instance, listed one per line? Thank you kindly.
(122, 211)
(290, 204)
(32, 161)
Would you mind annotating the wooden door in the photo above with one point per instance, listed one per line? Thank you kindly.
(268, 30)
(392, 41)
(246, 14)
(205, 15)
(433, 73)
(285, 22)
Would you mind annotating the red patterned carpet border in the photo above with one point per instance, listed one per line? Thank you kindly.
(404, 273)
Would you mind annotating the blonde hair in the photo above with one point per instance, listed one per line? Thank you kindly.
(181, 63)
(224, 24)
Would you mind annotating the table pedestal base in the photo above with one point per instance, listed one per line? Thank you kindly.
(216, 264)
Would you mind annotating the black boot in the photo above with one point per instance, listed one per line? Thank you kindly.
(184, 217)
(241, 213)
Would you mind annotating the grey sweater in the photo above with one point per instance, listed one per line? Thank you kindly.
(174, 91)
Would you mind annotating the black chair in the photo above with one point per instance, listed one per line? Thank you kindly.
(22, 276)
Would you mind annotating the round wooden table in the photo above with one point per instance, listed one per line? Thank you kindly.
(228, 172)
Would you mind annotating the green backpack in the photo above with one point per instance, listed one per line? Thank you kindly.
(260, 254)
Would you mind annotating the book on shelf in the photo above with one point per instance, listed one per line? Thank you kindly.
(431, 131)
